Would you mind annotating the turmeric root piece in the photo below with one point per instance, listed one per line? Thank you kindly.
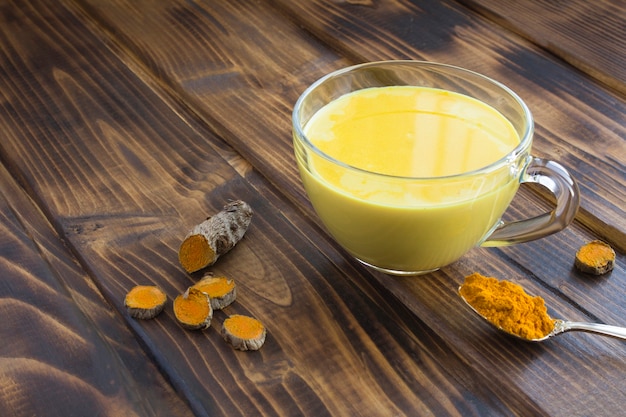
(215, 236)
(145, 301)
(193, 309)
(595, 257)
(221, 290)
(243, 332)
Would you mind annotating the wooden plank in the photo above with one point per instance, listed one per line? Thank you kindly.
(578, 123)
(436, 31)
(124, 178)
(53, 316)
(544, 268)
(588, 35)
(242, 129)
(330, 320)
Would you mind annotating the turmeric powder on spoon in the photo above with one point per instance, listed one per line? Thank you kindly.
(506, 305)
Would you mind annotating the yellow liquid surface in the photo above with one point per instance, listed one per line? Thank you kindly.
(399, 223)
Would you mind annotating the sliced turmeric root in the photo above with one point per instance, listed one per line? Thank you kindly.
(193, 309)
(243, 332)
(595, 257)
(145, 301)
(221, 290)
(215, 236)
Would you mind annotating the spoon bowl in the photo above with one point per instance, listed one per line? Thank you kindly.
(562, 326)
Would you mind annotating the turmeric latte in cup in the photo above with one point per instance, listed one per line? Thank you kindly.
(411, 164)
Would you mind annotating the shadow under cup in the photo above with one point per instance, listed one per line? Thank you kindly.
(411, 236)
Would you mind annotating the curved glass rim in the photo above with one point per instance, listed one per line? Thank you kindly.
(512, 155)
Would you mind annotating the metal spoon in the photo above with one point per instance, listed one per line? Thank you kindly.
(562, 326)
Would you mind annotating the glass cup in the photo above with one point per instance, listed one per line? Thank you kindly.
(413, 234)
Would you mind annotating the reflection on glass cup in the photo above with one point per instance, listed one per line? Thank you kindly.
(411, 164)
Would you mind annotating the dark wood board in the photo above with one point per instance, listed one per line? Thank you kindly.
(64, 349)
(242, 130)
(125, 135)
(128, 235)
(578, 123)
(588, 35)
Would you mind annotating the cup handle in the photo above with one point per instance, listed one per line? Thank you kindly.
(556, 179)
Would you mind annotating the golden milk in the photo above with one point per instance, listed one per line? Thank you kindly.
(426, 204)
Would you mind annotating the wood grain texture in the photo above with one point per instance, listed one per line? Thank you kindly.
(126, 135)
(279, 154)
(63, 351)
(588, 35)
(578, 123)
(124, 195)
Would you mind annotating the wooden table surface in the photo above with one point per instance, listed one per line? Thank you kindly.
(124, 123)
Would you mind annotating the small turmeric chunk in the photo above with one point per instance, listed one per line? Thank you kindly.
(507, 306)
(221, 290)
(243, 332)
(595, 257)
(215, 236)
(145, 301)
(193, 309)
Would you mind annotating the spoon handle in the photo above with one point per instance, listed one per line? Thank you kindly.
(605, 329)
